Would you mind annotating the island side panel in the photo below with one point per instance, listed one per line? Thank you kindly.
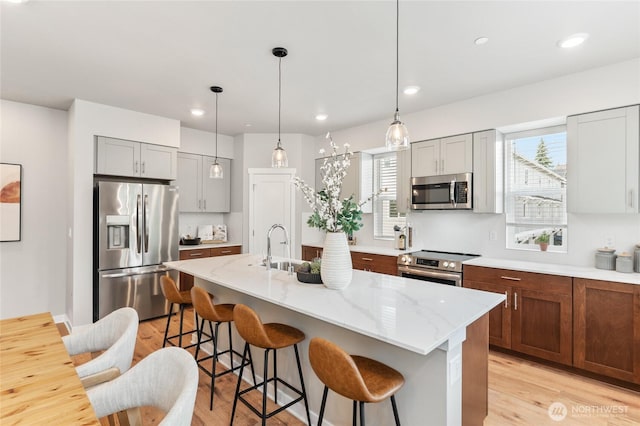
(422, 398)
(475, 372)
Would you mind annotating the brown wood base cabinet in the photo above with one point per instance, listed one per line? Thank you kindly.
(606, 328)
(380, 263)
(536, 317)
(186, 280)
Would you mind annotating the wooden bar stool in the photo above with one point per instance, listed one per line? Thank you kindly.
(218, 314)
(271, 337)
(182, 299)
(355, 377)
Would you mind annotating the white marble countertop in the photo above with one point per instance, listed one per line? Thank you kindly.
(386, 251)
(553, 269)
(210, 245)
(415, 315)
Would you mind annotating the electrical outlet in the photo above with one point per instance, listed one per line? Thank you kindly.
(609, 241)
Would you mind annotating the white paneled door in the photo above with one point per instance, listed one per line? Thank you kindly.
(271, 201)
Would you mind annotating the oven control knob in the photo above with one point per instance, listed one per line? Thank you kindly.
(452, 265)
(445, 264)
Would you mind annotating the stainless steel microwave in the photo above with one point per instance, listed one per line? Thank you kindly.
(442, 192)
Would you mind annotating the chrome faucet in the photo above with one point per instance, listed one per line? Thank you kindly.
(286, 241)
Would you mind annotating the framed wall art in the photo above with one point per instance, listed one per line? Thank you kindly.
(10, 201)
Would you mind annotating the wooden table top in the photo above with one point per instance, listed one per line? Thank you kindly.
(38, 382)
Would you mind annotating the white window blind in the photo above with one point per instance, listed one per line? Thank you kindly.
(385, 211)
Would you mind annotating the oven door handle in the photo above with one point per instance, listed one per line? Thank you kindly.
(453, 276)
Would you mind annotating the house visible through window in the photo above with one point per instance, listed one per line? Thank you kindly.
(536, 188)
(385, 207)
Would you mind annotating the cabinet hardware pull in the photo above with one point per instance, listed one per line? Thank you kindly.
(368, 259)
(205, 204)
(136, 166)
(510, 278)
(226, 251)
(442, 166)
(631, 198)
(506, 300)
(515, 300)
(199, 204)
(195, 254)
(143, 167)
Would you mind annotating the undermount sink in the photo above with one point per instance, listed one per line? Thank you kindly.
(281, 265)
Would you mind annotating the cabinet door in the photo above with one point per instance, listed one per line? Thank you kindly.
(216, 193)
(606, 329)
(158, 162)
(117, 157)
(311, 252)
(186, 280)
(403, 180)
(374, 263)
(541, 320)
(189, 182)
(456, 154)
(425, 158)
(603, 161)
(487, 172)
(500, 316)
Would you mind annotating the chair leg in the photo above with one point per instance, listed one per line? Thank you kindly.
(304, 392)
(235, 399)
(253, 371)
(275, 377)
(264, 390)
(214, 361)
(166, 330)
(199, 334)
(230, 344)
(361, 413)
(181, 320)
(395, 410)
(355, 413)
(324, 401)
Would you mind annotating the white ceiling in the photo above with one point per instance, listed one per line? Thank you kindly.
(161, 57)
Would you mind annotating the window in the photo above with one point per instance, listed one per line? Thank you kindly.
(536, 188)
(385, 207)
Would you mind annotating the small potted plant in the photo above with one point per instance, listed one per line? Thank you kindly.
(543, 240)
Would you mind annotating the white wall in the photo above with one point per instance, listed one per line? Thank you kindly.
(204, 143)
(601, 88)
(32, 271)
(87, 119)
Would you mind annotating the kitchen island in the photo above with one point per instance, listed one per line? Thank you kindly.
(414, 326)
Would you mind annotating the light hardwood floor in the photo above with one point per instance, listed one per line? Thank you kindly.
(520, 393)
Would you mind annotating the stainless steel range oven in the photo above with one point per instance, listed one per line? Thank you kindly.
(435, 266)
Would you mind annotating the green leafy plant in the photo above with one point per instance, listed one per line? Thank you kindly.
(542, 238)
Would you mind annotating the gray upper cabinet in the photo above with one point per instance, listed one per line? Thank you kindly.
(487, 172)
(453, 154)
(603, 150)
(120, 157)
(198, 192)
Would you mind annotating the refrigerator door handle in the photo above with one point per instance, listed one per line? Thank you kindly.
(146, 223)
(138, 236)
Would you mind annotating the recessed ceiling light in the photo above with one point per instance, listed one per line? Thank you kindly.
(197, 112)
(321, 117)
(573, 40)
(17, 1)
(481, 40)
(248, 125)
(411, 90)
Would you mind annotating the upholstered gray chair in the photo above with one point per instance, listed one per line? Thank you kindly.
(114, 334)
(166, 379)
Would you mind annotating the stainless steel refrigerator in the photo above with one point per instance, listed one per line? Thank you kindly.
(135, 230)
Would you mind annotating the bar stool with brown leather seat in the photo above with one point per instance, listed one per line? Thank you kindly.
(219, 313)
(270, 337)
(355, 377)
(182, 299)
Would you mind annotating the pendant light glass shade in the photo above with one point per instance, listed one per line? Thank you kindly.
(397, 138)
(279, 156)
(215, 171)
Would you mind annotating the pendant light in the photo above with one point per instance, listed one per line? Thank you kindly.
(397, 138)
(216, 172)
(279, 156)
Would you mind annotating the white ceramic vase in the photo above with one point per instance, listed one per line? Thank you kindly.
(336, 270)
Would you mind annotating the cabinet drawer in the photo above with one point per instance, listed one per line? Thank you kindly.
(526, 280)
(311, 252)
(194, 254)
(225, 251)
(374, 262)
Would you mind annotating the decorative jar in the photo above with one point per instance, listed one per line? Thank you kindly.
(336, 269)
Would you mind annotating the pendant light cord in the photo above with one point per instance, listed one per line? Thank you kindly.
(216, 127)
(279, 94)
(397, 51)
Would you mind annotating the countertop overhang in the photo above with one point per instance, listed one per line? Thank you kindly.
(415, 315)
